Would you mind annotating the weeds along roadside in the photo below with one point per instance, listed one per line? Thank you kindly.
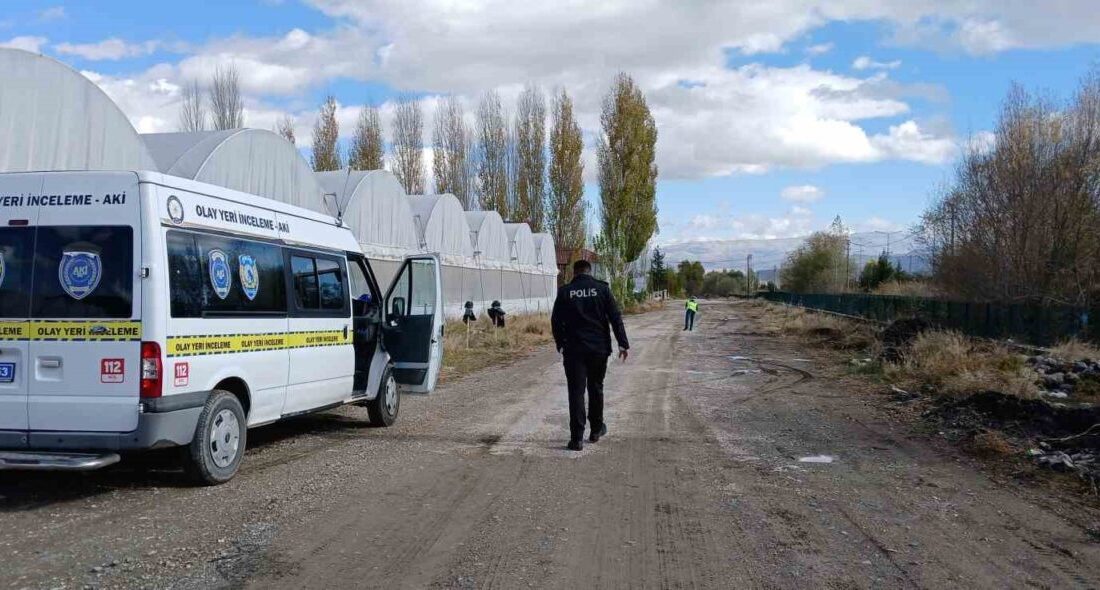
(987, 397)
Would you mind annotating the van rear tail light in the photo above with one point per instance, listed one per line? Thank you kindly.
(151, 370)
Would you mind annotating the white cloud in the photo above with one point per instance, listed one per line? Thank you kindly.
(26, 43)
(112, 49)
(53, 13)
(866, 63)
(805, 193)
(819, 49)
(750, 119)
(908, 142)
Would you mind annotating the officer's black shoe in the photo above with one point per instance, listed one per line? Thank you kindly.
(575, 445)
(595, 436)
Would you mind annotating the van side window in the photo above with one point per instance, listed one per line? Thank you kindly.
(83, 272)
(305, 282)
(332, 284)
(319, 285)
(255, 282)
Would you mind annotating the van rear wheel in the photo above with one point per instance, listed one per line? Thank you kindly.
(383, 409)
(215, 452)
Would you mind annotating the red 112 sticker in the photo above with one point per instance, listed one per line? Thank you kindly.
(112, 370)
(183, 374)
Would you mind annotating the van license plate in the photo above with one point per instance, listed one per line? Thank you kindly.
(7, 372)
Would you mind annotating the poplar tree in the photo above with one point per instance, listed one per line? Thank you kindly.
(192, 108)
(565, 215)
(530, 137)
(492, 160)
(367, 151)
(626, 154)
(226, 104)
(408, 145)
(451, 147)
(326, 134)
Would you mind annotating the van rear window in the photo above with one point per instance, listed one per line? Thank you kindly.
(67, 272)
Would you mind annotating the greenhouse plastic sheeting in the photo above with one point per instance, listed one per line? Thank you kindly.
(53, 118)
(253, 161)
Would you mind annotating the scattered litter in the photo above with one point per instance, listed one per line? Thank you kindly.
(740, 358)
(816, 459)
(1054, 394)
(740, 372)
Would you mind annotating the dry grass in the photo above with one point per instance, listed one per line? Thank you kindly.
(959, 366)
(834, 331)
(490, 346)
(1075, 350)
(907, 289)
(991, 443)
(632, 307)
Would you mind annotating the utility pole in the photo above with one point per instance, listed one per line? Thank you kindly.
(847, 263)
(748, 275)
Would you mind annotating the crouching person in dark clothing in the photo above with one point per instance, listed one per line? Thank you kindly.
(496, 314)
(584, 314)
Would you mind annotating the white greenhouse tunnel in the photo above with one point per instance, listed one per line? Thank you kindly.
(52, 118)
(374, 206)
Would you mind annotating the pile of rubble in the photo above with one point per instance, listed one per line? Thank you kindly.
(1061, 379)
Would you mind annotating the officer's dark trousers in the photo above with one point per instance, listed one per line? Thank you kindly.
(584, 370)
(689, 320)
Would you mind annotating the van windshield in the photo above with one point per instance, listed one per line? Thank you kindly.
(66, 272)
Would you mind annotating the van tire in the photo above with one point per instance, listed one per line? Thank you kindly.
(204, 460)
(383, 409)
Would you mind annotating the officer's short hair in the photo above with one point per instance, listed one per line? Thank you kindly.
(582, 267)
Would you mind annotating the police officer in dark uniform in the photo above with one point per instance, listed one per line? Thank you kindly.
(582, 314)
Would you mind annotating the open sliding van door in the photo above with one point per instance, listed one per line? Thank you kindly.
(412, 330)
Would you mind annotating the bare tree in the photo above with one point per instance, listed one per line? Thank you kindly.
(530, 138)
(226, 104)
(326, 135)
(492, 140)
(367, 150)
(285, 127)
(408, 145)
(566, 207)
(192, 108)
(1018, 221)
(451, 149)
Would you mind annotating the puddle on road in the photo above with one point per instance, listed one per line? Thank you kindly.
(816, 459)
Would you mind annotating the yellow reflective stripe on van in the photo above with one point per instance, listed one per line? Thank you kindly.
(235, 343)
(71, 331)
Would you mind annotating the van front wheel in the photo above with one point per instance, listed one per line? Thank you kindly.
(383, 409)
(215, 452)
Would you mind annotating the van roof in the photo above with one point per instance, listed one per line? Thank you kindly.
(220, 192)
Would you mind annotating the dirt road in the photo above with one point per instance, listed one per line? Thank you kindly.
(716, 474)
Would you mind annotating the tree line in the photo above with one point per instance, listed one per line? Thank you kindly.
(515, 166)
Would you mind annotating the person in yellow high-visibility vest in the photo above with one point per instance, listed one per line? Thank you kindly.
(692, 308)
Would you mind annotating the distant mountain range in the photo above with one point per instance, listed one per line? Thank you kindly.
(769, 255)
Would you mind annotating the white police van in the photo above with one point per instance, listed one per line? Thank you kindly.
(141, 311)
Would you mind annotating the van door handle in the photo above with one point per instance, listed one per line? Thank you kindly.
(49, 363)
(345, 331)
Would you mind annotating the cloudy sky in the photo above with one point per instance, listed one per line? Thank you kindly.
(773, 116)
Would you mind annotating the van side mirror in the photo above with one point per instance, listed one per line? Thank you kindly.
(397, 307)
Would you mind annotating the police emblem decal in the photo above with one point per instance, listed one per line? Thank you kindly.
(250, 277)
(175, 209)
(79, 272)
(220, 277)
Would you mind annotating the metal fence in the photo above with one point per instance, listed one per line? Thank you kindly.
(1028, 323)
